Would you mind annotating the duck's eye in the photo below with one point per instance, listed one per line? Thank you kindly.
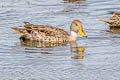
(76, 24)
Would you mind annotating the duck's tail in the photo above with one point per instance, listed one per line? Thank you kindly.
(18, 30)
(106, 20)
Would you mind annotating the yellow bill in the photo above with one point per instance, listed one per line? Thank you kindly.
(82, 33)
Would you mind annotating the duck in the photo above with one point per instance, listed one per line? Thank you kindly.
(114, 21)
(46, 33)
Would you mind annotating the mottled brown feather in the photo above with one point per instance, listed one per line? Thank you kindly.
(114, 21)
(47, 33)
(41, 33)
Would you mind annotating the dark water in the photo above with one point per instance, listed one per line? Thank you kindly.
(99, 61)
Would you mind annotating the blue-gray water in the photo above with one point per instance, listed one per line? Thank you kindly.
(102, 49)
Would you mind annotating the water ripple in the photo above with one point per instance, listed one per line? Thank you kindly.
(92, 58)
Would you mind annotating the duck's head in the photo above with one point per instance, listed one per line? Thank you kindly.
(76, 27)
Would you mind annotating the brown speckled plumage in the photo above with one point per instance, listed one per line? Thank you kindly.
(46, 33)
(114, 21)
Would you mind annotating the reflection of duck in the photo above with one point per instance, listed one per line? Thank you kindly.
(41, 44)
(73, 0)
(76, 50)
(114, 21)
(49, 33)
(114, 30)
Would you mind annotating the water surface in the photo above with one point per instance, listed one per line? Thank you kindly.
(99, 61)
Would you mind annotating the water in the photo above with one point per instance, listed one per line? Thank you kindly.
(99, 61)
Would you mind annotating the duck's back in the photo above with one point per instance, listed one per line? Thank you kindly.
(41, 33)
(115, 20)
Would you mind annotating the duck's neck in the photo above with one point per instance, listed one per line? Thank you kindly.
(73, 36)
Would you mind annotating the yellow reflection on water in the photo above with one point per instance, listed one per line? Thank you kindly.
(77, 51)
